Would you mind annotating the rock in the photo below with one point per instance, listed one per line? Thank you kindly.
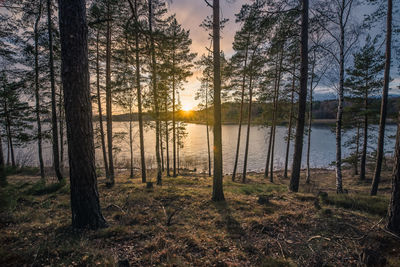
(263, 199)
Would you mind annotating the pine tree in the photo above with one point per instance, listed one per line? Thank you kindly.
(363, 82)
(85, 206)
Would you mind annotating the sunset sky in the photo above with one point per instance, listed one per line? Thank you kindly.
(191, 13)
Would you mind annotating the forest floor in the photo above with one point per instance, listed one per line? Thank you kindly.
(260, 224)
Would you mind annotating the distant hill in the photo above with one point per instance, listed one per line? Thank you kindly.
(323, 110)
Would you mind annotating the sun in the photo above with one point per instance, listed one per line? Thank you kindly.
(187, 107)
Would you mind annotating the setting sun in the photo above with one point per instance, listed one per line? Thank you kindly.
(187, 107)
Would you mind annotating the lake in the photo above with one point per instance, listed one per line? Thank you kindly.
(194, 153)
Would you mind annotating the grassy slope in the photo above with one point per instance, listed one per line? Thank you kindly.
(292, 229)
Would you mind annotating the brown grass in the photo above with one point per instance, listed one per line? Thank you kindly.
(292, 229)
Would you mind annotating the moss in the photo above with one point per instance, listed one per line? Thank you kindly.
(40, 188)
(276, 262)
(376, 205)
(253, 189)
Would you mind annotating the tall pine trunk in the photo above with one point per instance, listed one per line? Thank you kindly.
(357, 149)
(246, 152)
(382, 121)
(139, 100)
(56, 156)
(365, 141)
(208, 135)
(308, 175)
(103, 143)
(298, 144)
(339, 116)
(37, 94)
(155, 93)
(394, 206)
(167, 145)
(271, 131)
(131, 140)
(109, 100)
(289, 134)
(218, 193)
(61, 122)
(240, 115)
(275, 114)
(85, 205)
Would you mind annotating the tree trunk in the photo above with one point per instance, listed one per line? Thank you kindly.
(339, 183)
(365, 141)
(131, 139)
(382, 122)
(275, 114)
(103, 143)
(240, 115)
(177, 150)
(272, 128)
(167, 145)
(218, 193)
(308, 176)
(357, 150)
(289, 135)
(109, 100)
(139, 99)
(161, 149)
(56, 158)
(246, 152)
(155, 93)
(298, 145)
(394, 206)
(208, 136)
(173, 113)
(3, 176)
(61, 122)
(37, 94)
(85, 206)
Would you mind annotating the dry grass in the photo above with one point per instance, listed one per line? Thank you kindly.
(178, 225)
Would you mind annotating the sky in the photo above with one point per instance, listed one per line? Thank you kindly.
(191, 13)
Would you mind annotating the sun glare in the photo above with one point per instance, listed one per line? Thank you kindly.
(187, 107)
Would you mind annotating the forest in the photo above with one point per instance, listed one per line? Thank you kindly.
(267, 133)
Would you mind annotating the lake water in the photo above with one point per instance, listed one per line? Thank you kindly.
(194, 153)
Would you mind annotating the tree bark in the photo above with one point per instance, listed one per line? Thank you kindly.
(139, 99)
(167, 144)
(289, 135)
(131, 140)
(109, 100)
(246, 152)
(275, 114)
(208, 135)
(240, 114)
(56, 157)
(382, 121)
(298, 145)
(155, 93)
(355, 164)
(218, 193)
(394, 206)
(365, 141)
(37, 94)
(85, 206)
(272, 128)
(103, 143)
(308, 176)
